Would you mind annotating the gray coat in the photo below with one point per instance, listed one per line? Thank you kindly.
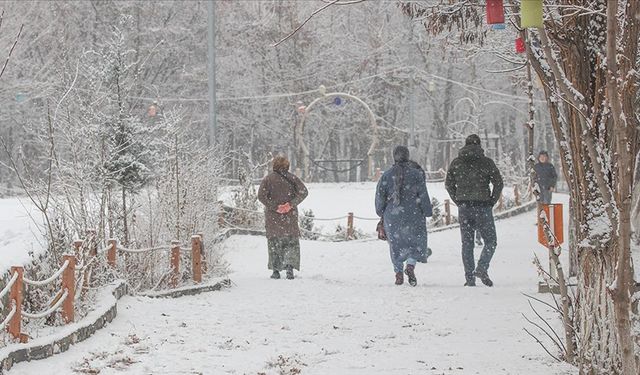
(404, 214)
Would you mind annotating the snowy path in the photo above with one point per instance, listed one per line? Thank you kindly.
(342, 315)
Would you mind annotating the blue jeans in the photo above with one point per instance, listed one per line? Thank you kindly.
(399, 266)
(477, 218)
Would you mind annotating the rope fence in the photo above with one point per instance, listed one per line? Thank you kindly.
(9, 316)
(225, 218)
(49, 280)
(138, 251)
(7, 287)
(74, 280)
(50, 310)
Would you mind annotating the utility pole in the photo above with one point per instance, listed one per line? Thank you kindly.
(412, 95)
(211, 39)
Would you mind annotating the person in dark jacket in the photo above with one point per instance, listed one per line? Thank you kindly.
(468, 183)
(402, 200)
(281, 192)
(546, 177)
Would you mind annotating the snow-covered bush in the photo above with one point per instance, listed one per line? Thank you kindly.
(306, 223)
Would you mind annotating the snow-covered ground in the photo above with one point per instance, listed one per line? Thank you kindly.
(342, 315)
(19, 234)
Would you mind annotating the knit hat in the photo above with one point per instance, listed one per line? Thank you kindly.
(543, 153)
(473, 139)
(400, 154)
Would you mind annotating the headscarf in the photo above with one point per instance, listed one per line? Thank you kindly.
(401, 159)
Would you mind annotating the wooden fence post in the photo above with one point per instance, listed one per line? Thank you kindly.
(196, 259)
(69, 283)
(112, 252)
(350, 226)
(175, 264)
(16, 297)
(447, 212)
(500, 203)
(516, 195)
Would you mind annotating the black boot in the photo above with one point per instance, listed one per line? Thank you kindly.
(411, 274)
(289, 272)
(484, 277)
(275, 274)
(471, 281)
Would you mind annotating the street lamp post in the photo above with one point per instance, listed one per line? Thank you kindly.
(211, 60)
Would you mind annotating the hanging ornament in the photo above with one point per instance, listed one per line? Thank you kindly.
(531, 14)
(432, 86)
(337, 100)
(520, 47)
(495, 12)
(498, 26)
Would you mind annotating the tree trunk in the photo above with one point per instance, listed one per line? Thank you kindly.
(598, 350)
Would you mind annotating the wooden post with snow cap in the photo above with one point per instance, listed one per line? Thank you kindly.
(112, 252)
(516, 195)
(69, 283)
(196, 258)
(175, 264)
(350, 226)
(447, 212)
(16, 296)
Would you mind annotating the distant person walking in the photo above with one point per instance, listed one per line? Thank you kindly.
(546, 177)
(281, 192)
(403, 202)
(468, 184)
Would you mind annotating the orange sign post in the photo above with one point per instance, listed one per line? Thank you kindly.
(550, 235)
(555, 221)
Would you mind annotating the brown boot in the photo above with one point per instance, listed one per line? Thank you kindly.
(399, 278)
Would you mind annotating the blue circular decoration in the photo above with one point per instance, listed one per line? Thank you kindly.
(337, 100)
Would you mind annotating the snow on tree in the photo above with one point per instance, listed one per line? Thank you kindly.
(586, 56)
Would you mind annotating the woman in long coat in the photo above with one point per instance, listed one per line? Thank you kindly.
(402, 200)
(281, 192)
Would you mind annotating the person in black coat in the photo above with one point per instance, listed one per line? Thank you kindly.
(474, 183)
(546, 177)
